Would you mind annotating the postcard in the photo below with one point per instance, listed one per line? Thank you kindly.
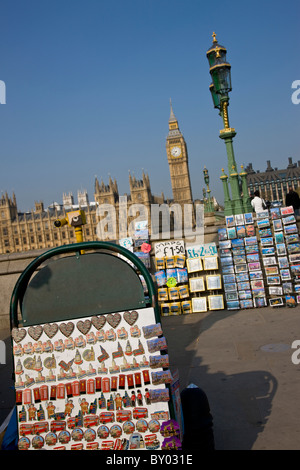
(265, 232)
(287, 287)
(293, 248)
(277, 225)
(248, 218)
(266, 241)
(231, 232)
(276, 290)
(238, 250)
(237, 242)
(239, 259)
(290, 219)
(239, 219)
(231, 296)
(258, 292)
(290, 300)
(228, 278)
(271, 270)
(252, 249)
(267, 251)
(298, 299)
(287, 210)
(260, 302)
(222, 234)
(295, 268)
(250, 241)
(253, 258)
(272, 280)
(225, 244)
(241, 231)
(263, 223)
(233, 305)
(288, 229)
(283, 262)
(262, 214)
(293, 238)
(250, 230)
(245, 294)
(227, 260)
(228, 269)
(230, 287)
(281, 249)
(241, 268)
(275, 213)
(254, 275)
(244, 285)
(246, 303)
(257, 284)
(242, 277)
(254, 266)
(285, 274)
(269, 261)
(230, 221)
(279, 238)
(276, 302)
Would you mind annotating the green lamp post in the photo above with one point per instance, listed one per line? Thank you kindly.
(209, 203)
(220, 88)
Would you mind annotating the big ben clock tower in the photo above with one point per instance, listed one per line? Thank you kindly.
(178, 163)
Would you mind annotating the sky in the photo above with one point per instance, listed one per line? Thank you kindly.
(88, 86)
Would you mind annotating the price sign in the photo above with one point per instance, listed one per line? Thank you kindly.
(170, 248)
(208, 249)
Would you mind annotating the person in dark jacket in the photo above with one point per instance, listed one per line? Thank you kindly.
(292, 199)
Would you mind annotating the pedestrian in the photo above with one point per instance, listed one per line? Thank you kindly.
(258, 203)
(292, 199)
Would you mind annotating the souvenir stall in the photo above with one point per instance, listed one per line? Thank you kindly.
(91, 367)
(260, 259)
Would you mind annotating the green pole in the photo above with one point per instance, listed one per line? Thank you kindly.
(227, 202)
(246, 197)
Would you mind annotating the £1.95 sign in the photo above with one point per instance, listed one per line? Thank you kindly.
(196, 251)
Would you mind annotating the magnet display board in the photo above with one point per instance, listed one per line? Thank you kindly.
(96, 382)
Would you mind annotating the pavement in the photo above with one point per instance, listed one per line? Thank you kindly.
(242, 360)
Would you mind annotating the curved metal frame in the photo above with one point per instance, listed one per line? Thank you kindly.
(23, 281)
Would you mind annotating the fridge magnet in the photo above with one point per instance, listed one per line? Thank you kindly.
(98, 321)
(276, 302)
(135, 332)
(113, 319)
(50, 329)
(159, 395)
(84, 326)
(100, 336)
(248, 218)
(128, 427)
(162, 377)
(122, 333)
(152, 330)
(157, 344)
(110, 335)
(159, 361)
(103, 356)
(199, 304)
(131, 317)
(67, 328)
(35, 332)
(215, 302)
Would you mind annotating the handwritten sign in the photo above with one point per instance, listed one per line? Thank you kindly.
(195, 251)
(169, 248)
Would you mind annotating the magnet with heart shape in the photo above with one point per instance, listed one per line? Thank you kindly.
(131, 317)
(67, 328)
(18, 334)
(35, 332)
(50, 329)
(98, 322)
(84, 326)
(113, 319)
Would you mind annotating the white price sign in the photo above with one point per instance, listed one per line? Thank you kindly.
(170, 248)
(208, 249)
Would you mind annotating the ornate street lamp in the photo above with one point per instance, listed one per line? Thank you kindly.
(220, 71)
(209, 204)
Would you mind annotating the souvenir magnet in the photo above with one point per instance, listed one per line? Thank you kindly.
(27, 397)
(130, 381)
(137, 379)
(50, 329)
(98, 384)
(36, 394)
(67, 328)
(84, 326)
(103, 355)
(19, 395)
(90, 386)
(82, 386)
(152, 330)
(113, 319)
(75, 388)
(113, 386)
(69, 390)
(106, 385)
(131, 317)
(146, 377)
(18, 334)
(35, 332)
(98, 322)
(121, 381)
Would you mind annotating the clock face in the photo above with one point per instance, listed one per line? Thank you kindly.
(176, 151)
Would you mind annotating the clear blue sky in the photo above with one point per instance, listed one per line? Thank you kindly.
(88, 84)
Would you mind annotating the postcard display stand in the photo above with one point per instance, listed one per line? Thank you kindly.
(93, 383)
(187, 279)
(260, 259)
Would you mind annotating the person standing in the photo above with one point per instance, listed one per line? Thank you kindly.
(292, 199)
(258, 203)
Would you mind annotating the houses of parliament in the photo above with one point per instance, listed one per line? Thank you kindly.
(24, 231)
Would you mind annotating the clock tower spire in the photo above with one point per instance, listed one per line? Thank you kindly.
(178, 162)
